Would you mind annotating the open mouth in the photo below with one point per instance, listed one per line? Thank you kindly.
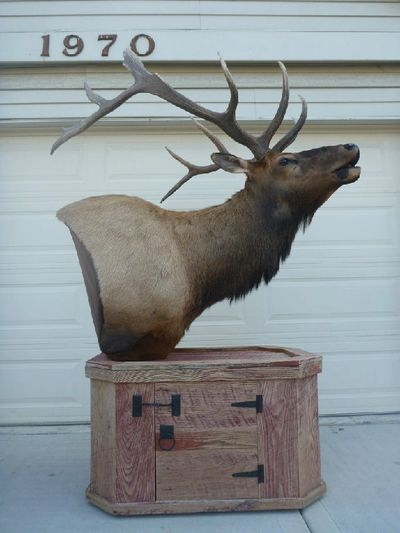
(349, 172)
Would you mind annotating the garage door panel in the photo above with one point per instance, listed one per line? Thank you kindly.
(27, 378)
(229, 320)
(222, 315)
(27, 167)
(35, 231)
(349, 327)
(368, 381)
(39, 306)
(350, 371)
(321, 335)
(23, 161)
(49, 349)
(24, 398)
(378, 163)
(51, 265)
(140, 152)
(332, 263)
(360, 226)
(337, 294)
(28, 170)
(355, 298)
(38, 312)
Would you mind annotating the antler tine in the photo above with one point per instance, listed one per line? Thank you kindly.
(266, 136)
(234, 100)
(93, 97)
(228, 118)
(213, 138)
(293, 132)
(193, 170)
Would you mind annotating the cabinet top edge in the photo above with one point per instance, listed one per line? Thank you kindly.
(228, 359)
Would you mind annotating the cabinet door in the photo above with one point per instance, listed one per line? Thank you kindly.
(200, 453)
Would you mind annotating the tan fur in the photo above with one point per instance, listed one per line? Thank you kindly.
(126, 237)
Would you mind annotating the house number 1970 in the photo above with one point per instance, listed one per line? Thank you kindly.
(141, 44)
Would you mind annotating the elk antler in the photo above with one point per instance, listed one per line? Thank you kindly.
(151, 83)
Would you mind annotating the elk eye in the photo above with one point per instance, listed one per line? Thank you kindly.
(285, 161)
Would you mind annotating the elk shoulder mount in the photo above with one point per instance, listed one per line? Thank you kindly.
(149, 272)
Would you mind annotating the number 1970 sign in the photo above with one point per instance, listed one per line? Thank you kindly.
(73, 44)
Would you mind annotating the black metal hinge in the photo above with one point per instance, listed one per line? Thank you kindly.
(137, 404)
(259, 474)
(258, 403)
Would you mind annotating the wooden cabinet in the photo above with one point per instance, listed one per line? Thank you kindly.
(205, 430)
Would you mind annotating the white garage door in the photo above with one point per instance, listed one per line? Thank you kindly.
(337, 294)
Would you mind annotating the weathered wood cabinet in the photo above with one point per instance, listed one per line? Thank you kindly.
(205, 430)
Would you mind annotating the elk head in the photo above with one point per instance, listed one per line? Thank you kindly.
(185, 262)
(298, 183)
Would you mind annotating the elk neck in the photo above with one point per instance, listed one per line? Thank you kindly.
(231, 248)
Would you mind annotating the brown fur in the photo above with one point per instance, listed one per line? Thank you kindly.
(157, 270)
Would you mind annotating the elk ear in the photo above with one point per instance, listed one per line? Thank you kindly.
(230, 162)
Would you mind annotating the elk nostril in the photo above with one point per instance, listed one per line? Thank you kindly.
(351, 146)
